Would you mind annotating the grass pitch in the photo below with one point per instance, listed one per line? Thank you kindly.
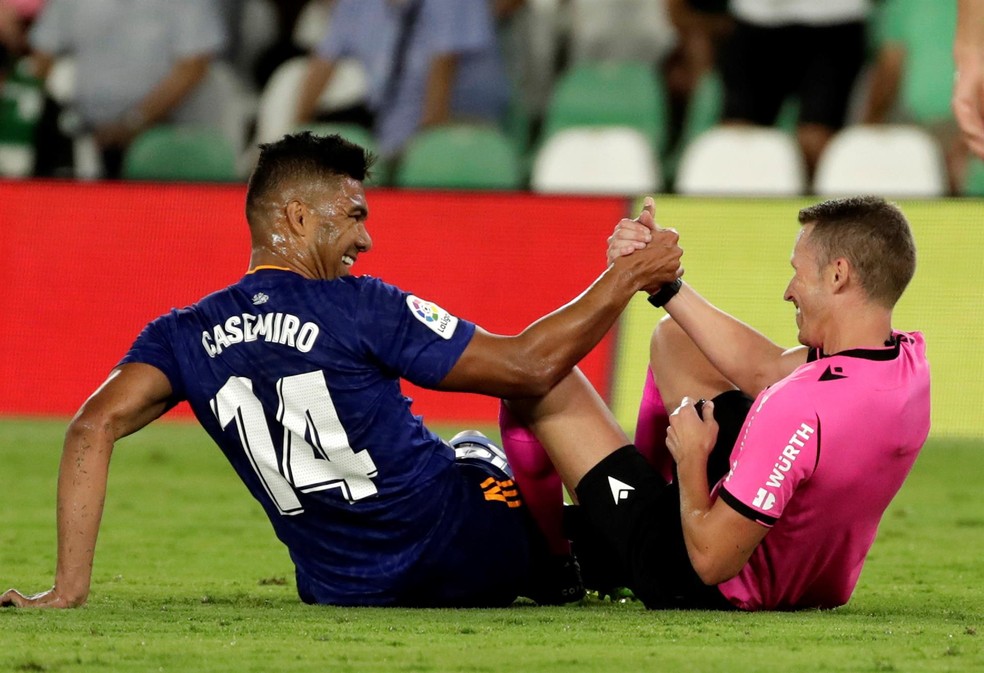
(189, 577)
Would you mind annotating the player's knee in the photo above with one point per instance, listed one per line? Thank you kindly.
(667, 339)
(472, 445)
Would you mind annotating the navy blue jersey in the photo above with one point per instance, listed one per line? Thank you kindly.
(298, 382)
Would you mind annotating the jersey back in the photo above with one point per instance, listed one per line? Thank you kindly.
(298, 382)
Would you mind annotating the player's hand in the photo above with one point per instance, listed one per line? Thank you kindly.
(968, 97)
(632, 235)
(691, 438)
(51, 598)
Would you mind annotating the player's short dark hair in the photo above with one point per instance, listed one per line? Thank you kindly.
(872, 235)
(304, 157)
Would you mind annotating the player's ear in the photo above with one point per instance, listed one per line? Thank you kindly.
(296, 213)
(839, 273)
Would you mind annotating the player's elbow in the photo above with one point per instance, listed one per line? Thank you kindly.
(714, 568)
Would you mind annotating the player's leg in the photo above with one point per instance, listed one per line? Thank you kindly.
(537, 478)
(554, 577)
(629, 514)
(680, 368)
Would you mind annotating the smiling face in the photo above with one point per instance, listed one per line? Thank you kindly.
(808, 291)
(337, 233)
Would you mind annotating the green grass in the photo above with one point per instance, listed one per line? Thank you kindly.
(189, 577)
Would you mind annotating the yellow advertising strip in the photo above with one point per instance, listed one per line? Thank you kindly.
(736, 253)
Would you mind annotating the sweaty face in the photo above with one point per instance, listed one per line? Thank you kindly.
(807, 291)
(340, 235)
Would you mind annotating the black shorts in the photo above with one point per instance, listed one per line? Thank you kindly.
(627, 529)
(763, 66)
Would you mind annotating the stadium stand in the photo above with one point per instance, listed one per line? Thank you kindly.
(742, 160)
(895, 160)
(596, 160)
(181, 153)
(610, 94)
(277, 109)
(460, 156)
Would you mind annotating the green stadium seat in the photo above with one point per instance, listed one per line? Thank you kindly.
(359, 135)
(181, 153)
(610, 94)
(354, 133)
(461, 156)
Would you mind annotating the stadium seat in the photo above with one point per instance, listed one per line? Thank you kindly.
(596, 160)
(277, 107)
(354, 133)
(889, 160)
(610, 94)
(180, 153)
(742, 161)
(461, 156)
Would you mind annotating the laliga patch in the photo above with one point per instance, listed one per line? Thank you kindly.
(436, 318)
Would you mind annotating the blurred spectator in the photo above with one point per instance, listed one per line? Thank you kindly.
(428, 62)
(15, 17)
(804, 48)
(138, 63)
(968, 88)
(284, 46)
(621, 30)
(913, 73)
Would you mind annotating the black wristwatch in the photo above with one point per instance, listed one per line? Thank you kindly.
(666, 293)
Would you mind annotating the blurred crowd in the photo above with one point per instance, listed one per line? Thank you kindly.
(83, 81)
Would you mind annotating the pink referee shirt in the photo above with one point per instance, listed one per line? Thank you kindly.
(820, 456)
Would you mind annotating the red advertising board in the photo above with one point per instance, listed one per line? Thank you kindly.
(89, 264)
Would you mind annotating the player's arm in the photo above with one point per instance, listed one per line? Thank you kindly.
(968, 87)
(532, 362)
(745, 356)
(742, 354)
(133, 396)
(719, 540)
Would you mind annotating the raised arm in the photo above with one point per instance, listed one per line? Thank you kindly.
(968, 88)
(532, 362)
(132, 396)
(745, 356)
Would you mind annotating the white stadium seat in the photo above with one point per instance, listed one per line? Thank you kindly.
(888, 160)
(278, 101)
(596, 160)
(742, 161)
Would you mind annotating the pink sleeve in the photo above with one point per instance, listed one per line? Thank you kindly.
(778, 451)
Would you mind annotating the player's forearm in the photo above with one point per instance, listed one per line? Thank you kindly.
(81, 495)
(695, 506)
(558, 341)
(744, 355)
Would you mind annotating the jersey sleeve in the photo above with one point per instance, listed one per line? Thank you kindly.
(413, 337)
(152, 347)
(777, 453)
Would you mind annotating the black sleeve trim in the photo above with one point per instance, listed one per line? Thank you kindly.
(745, 510)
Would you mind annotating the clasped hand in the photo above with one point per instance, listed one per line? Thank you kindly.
(642, 233)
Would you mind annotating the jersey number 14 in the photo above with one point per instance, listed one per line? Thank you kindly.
(305, 410)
